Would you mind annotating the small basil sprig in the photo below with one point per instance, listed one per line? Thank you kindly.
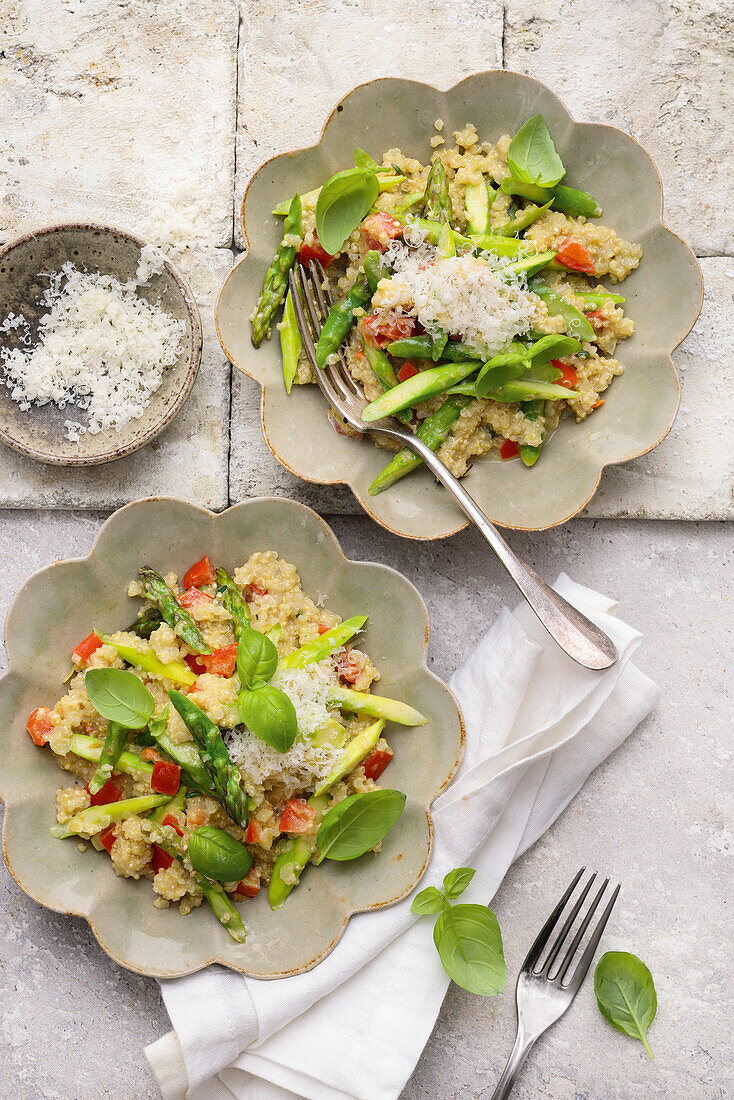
(218, 855)
(467, 937)
(625, 993)
(265, 709)
(120, 696)
(532, 156)
(343, 202)
(355, 825)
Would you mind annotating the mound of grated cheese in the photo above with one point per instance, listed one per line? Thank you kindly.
(464, 296)
(100, 347)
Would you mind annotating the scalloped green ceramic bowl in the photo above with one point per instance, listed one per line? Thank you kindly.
(663, 297)
(59, 604)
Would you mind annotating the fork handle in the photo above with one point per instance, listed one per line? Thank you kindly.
(519, 1053)
(581, 639)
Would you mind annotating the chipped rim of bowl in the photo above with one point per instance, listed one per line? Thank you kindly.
(364, 501)
(445, 782)
(193, 357)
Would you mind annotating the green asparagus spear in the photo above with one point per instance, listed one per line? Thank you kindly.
(332, 733)
(145, 623)
(502, 368)
(421, 347)
(375, 706)
(532, 410)
(596, 300)
(185, 753)
(97, 818)
(176, 671)
(214, 753)
(112, 749)
(437, 206)
(384, 372)
(565, 199)
(413, 198)
(418, 388)
(129, 763)
(375, 269)
(433, 431)
(290, 342)
(340, 320)
(357, 749)
(293, 855)
(233, 601)
(325, 644)
(175, 805)
(214, 892)
(478, 199)
(446, 247)
(511, 247)
(576, 324)
(524, 389)
(158, 592)
(522, 220)
(276, 279)
(529, 265)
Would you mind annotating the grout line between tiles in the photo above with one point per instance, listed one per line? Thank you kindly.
(233, 248)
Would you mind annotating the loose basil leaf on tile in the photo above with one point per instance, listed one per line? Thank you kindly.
(456, 881)
(357, 824)
(469, 944)
(270, 714)
(218, 855)
(343, 202)
(625, 993)
(257, 657)
(532, 156)
(427, 901)
(120, 696)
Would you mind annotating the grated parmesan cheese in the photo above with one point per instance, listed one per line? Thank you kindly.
(100, 347)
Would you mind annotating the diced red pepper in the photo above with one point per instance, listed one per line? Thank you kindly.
(598, 404)
(39, 725)
(173, 821)
(166, 777)
(322, 628)
(195, 661)
(87, 647)
(160, 859)
(250, 886)
(376, 762)
(407, 371)
(597, 314)
(254, 831)
(378, 226)
(221, 662)
(108, 792)
(575, 257)
(252, 590)
(297, 816)
(201, 572)
(107, 837)
(569, 378)
(193, 596)
(509, 449)
(314, 251)
(347, 666)
(381, 329)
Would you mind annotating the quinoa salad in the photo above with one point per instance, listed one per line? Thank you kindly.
(469, 294)
(224, 740)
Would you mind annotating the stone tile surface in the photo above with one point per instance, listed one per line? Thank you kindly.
(657, 814)
(189, 459)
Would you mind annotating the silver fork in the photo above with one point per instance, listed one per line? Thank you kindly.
(574, 633)
(541, 998)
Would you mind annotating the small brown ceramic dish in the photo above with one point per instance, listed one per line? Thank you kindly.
(39, 432)
(61, 603)
(663, 295)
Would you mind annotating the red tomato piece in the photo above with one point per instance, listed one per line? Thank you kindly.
(323, 628)
(201, 572)
(575, 257)
(380, 228)
(347, 666)
(160, 859)
(193, 596)
(250, 886)
(252, 590)
(376, 762)
(107, 838)
(509, 449)
(39, 725)
(569, 378)
(166, 777)
(87, 647)
(254, 832)
(407, 371)
(221, 662)
(195, 661)
(381, 329)
(599, 314)
(108, 792)
(173, 821)
(297, 816)
(314, 251)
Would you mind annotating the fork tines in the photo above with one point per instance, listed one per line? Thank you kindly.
(554, 965)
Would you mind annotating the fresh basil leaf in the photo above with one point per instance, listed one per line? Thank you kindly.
(218, 855)
(625, 993)
(343, 202)
(429, 900)
(270, 714)
(120, 696)
(357, 824)
(257, 658)
(532, 156)
(362, 159)
(456, 881)
(469, 944)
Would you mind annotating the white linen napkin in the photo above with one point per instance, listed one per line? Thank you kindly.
(354, 1027)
